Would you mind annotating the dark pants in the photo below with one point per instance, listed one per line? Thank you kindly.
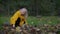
(17, 22)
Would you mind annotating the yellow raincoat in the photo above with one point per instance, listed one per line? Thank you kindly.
(15, 17)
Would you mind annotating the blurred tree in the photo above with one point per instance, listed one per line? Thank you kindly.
(35, 7)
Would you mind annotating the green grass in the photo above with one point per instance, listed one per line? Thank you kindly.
(52, 20)
(4, 19)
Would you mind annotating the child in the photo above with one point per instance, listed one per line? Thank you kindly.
(19, 18)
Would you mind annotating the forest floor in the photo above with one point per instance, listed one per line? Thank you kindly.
(45, 24)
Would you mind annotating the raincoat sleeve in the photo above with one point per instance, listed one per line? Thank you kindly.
(25, 21)
(14, 18)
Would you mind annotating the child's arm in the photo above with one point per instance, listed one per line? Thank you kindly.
(14, 18)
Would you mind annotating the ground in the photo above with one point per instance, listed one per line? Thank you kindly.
(34, 21)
